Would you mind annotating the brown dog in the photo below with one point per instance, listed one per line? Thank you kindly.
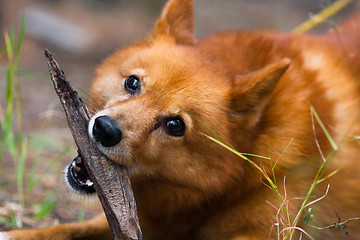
(162, 97)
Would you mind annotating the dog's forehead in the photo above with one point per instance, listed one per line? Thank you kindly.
(172, 75)
(164, 68)
(162, 62)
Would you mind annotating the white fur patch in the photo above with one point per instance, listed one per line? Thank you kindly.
(327, 68)
(67, 181)
(92, 122)
(4, 236)
(314, 60)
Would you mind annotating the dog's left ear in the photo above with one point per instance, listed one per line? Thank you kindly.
(177, 20)
(251, 92)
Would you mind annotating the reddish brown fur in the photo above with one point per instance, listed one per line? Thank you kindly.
(240, 88)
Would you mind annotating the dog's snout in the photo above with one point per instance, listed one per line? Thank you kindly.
(106, 131)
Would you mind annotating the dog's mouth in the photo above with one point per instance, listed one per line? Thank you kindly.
(77, 177)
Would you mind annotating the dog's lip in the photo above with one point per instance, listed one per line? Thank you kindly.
(78, 178)
(79, 172)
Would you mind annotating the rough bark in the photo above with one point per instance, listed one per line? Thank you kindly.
(110, 179)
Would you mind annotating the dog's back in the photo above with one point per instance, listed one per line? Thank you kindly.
(322, 80)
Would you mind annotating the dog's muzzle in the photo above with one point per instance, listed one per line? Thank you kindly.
(105, 132)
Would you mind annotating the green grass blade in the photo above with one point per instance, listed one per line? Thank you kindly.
(20, 40)
(328, 176)
(20, 171)
(9, 96)
(9, 86)
(47, 206)
(34, 178)
(281, 154)
(11, 46)
(3, 50)
(255, 155)
(17, 93)
(9, 222)
(331, 140)
(9, 72)
(236, 152)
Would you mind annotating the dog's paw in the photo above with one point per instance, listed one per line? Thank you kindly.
(4, 236)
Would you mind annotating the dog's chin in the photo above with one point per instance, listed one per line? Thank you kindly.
(77, 177)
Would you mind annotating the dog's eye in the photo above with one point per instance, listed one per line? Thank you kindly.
(132, 84)
(175, 126)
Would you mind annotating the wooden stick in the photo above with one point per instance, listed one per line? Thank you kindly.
(110, 179)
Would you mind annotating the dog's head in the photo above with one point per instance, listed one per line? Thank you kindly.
(159, 101)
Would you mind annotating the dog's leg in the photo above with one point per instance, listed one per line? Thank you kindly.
(96, 228)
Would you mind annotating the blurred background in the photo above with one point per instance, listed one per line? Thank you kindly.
(35, 143)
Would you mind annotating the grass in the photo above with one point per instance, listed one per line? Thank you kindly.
(15, 143)
(28, 161)
(289, 226)
(47, 205)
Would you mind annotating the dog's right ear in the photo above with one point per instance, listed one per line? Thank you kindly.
(177, 20)
(251, 92)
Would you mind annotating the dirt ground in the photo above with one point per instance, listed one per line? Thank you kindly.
(80, 34)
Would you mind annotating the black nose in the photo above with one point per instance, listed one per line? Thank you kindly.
(106, 131)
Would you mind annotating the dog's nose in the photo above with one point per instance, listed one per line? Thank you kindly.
(106, 131)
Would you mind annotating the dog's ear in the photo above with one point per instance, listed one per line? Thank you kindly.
(177, 20)
(251, 92)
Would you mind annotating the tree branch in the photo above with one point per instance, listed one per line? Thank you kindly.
(110, 179)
